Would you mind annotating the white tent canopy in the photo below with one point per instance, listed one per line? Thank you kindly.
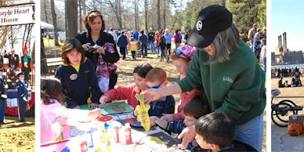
(45, 25)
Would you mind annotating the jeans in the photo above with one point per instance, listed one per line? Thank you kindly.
(123, 52)
(144, 50)
(251, 133)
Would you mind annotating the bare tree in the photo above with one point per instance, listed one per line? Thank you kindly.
(3, 36)
(117, 11)
(136, 15)
(71, 22)
(54, 18)
(164, 14)
(44, 68)
(158, 15)
(45, 10)
(146, 15)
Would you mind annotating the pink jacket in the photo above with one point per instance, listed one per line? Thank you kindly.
(184, 99)
(125, 93)
(49, 115)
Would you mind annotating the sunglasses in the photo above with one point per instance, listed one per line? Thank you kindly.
(155, 87)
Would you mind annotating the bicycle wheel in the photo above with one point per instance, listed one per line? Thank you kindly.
(295, 107)
(288, 101)
(280, 114)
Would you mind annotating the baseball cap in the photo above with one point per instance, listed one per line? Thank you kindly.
(210, 21)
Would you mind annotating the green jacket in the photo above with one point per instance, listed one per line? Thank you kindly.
(235, 87)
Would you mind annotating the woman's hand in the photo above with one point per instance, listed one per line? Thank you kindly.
(167, 117)
(187, 136)
(86, 46)
(151, 95)
(100, 49)
(104, 100)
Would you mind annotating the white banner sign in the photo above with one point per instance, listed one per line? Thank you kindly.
(14, 15)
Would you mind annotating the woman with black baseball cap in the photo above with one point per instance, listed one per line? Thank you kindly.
(227, 72)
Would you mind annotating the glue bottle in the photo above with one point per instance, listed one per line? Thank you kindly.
(128, 133)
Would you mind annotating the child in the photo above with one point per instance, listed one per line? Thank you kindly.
(53, 113)
(215, 133)
(77, 75)
(2, 97)
(133, 48)
(128, 92)
(157, 78)
(192, 111)
(181, 59)
(21, 86)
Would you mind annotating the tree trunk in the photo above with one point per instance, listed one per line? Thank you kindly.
(84, 10)
(80, 14)
(45, 11)
(136, 15)
(12, 37)
(116, 9)
(71, 22)
(44, 69)
(54, 18)
(158, 15)
(146, 15)
(164, 15)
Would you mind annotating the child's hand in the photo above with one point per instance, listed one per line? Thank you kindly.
(167, 117)
(153, 120)
(134, 113)
(104, 99)
(94, 114)
(187, 136)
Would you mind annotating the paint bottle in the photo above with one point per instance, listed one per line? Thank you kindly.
(128, 134)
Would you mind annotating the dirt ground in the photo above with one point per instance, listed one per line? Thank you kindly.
(17, 136)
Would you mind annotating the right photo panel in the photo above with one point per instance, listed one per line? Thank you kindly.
(287, 68)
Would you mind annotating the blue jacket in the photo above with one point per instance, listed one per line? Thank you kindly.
(157, 108)
(79, 85)
(168, 38)
(22, 90)
(122, 41)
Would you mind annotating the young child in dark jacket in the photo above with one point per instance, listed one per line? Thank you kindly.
(194, 109)
(157, 78)
(21, 86)
(215, 132)
(77, 76)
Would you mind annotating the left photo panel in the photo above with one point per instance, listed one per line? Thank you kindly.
(17, 75)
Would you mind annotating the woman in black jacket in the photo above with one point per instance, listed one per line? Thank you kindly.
(100, 48)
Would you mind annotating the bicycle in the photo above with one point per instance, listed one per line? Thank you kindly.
(281, 111)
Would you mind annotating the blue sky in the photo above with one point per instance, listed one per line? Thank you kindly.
(287, 16)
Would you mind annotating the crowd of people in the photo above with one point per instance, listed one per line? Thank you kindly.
(294, 73)
(139, 42)
(15, 74)
(256, 39)
(221, 86)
